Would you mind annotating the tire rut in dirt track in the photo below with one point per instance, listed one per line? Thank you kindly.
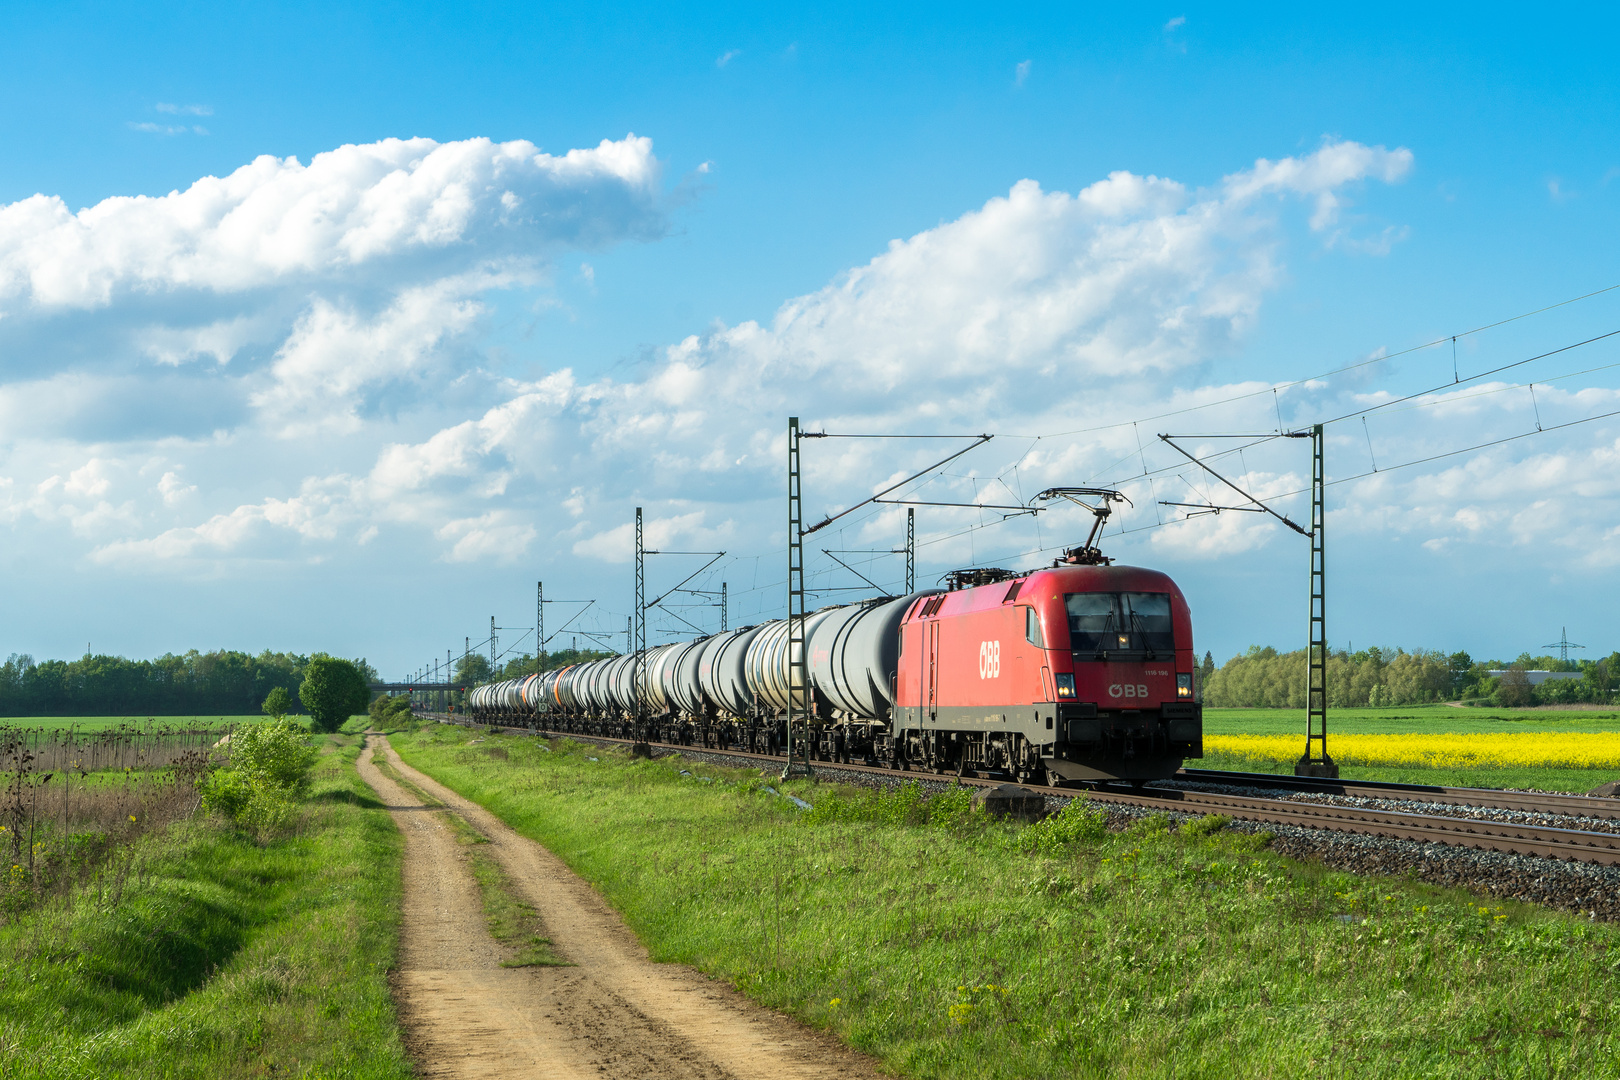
(613, 1014)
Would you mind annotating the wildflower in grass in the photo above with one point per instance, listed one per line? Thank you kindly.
(834, 1003)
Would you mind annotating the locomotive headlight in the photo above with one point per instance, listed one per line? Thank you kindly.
(1065, 686)
(1184, 685)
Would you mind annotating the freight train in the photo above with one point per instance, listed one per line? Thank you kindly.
(1081, 671)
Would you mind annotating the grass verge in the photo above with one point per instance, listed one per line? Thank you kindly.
(223, 957)
(949, 945)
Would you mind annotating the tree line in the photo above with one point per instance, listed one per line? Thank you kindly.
(224, 682)
(1264, 678)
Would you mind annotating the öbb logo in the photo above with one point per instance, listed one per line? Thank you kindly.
(989, 659)
(1128, 690)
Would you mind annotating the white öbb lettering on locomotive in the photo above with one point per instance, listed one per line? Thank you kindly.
(989, 659)
(1128, 690)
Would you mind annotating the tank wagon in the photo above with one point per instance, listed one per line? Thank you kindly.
(1082, 671)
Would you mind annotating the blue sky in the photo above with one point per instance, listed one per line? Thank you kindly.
(226, 420)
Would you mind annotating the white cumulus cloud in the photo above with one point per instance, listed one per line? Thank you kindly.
(1039, 311)
(346, 209)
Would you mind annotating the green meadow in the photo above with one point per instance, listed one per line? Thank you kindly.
(1411, 719)
(949, 944)
(105, 723)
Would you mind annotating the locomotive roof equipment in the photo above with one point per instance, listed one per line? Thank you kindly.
(1087, 554)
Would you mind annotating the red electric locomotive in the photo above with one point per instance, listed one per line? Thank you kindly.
(1082, 671)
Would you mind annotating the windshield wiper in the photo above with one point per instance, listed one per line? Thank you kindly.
(1108, 626)
(1142, 636)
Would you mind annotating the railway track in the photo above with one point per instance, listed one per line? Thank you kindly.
(1546, 842)
(1530, 801)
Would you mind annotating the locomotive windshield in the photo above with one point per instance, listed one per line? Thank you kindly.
(1107, 624)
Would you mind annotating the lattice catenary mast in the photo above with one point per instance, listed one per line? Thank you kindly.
(798, 717)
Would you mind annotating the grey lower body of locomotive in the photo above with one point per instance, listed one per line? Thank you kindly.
(1063, 741)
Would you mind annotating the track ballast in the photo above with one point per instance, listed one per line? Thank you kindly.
(1482, 834)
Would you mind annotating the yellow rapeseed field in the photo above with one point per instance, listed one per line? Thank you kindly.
(1544, 750)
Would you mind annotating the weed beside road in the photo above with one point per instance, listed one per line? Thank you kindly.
(948, 944)
(222, 955)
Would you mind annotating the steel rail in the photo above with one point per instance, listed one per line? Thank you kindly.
(1480, 834)
(1532, 801)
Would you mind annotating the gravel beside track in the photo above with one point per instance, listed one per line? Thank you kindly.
(1550, 819)
(1586, 888)
(1542, 802)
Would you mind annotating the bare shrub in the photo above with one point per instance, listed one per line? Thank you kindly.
(70, 826)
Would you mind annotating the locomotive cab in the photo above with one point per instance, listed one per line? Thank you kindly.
(1128, 706)
(1075, 672)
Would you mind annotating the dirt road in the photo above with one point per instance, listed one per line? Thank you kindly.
(613, 1014)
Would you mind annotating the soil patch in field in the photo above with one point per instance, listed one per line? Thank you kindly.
(614, 1013)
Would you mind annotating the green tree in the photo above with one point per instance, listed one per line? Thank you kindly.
(1601, 676)
(192, 684)
(1461, 666)
(1514, 692)
(473, 670)
(277, 702)
(333, 690)
(391, 709)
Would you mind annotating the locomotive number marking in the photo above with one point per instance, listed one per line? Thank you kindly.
(989, 659)
(1128, 690)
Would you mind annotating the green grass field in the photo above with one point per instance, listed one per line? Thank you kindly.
(951, 946)
(1408, 719)
(224, 957)
(99, 723)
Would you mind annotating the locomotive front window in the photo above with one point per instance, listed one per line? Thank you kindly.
(1093, 621)
(1101, 624)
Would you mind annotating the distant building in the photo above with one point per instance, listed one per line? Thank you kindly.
(1538, 677)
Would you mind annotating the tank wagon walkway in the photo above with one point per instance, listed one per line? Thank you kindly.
(614, 1014)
